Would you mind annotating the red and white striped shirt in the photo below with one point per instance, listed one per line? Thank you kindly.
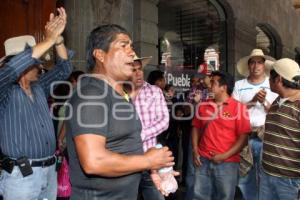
(152, 109)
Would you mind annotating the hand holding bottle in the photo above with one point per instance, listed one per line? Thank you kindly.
(168, 182)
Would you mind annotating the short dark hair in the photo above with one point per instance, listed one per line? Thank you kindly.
(75, 75)
(101, 38)
(168, 87)
(155, 76)
(225, 79)
(286, 83)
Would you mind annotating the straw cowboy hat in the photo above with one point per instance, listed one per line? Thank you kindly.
(16, 45)
(287, 68)
(143, 60)
(242, 64)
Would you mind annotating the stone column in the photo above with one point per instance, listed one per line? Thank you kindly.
(145, 34)
(85, 15)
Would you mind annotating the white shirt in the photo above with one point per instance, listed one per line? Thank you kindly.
(245, 91)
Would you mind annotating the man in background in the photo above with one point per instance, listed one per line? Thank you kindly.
(280, 176)
(220, 131)
(152, 109)
(254, 90)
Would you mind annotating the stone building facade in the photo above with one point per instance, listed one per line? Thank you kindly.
(244, 25)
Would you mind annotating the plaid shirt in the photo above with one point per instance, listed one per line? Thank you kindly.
(152, 109)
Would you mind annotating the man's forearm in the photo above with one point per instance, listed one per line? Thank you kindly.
(114, 165)
(15, 67)
(110, 164)
(161, 122)
(195, 138)
(39, 49)
(156, 129)
(238, 146)
(61, 48)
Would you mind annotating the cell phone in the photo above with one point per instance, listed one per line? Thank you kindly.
(24, 166)
(7, 165)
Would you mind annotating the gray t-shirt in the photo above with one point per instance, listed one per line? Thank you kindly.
(97, 109)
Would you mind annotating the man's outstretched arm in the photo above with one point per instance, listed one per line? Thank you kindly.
(96, 159)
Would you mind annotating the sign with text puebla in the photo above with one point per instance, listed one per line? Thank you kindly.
(179, 77)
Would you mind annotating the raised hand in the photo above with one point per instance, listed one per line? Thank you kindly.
(56, 25)
(53, 30)
(63, 18)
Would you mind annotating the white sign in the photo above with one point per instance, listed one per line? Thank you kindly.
(178, 81)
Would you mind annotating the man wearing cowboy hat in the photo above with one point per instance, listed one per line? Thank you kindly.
(254, 91)
(27, 137)
(152, 109)
(280, 176)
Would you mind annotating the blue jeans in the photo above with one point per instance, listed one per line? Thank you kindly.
(249, 184)
(148, 189)
(190, 174)
(276, 188)
(41, 184)
(215, 181)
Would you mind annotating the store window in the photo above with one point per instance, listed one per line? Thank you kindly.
(192, 37)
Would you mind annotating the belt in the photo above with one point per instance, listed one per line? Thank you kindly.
(44, 163)
(253, 135)
(8, 164)
(40, 163)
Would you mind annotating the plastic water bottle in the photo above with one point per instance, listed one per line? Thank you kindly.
(168, 182)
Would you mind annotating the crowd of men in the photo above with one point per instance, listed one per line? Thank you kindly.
(247, 134)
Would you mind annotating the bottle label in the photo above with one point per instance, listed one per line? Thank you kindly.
(165, 170)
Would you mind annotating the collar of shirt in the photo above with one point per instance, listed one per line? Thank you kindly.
(228, 101)
(145, 84)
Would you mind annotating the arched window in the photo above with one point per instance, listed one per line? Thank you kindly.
(268, 40)
(297, 55)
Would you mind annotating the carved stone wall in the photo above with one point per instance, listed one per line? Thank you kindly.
(85, 15)
(145, 33)
(279, 14)
(140, 17)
